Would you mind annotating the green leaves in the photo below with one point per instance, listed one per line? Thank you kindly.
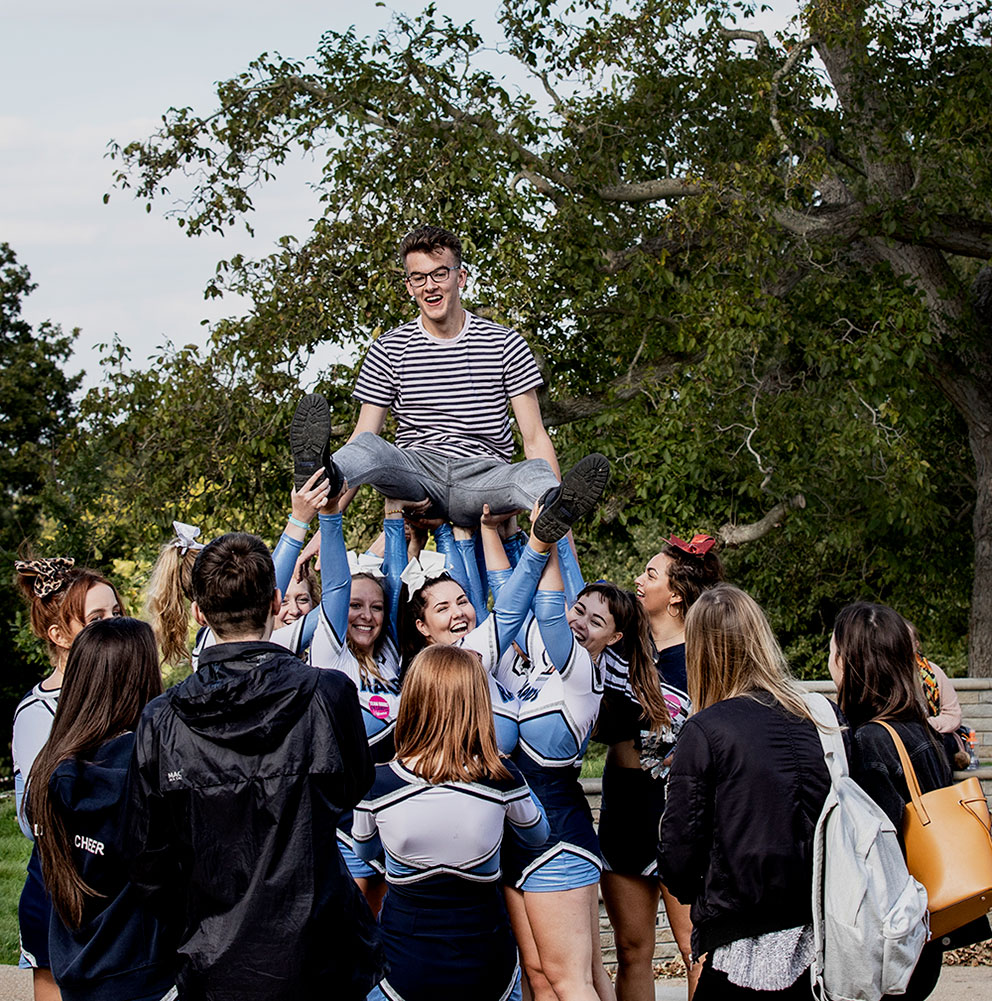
(744, 259)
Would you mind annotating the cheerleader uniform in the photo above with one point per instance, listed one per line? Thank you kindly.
(444, 926)
(634, 798)
(558, 703)
(378, 697)
(32, 724)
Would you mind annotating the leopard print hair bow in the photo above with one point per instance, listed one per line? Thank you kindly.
(49, 575)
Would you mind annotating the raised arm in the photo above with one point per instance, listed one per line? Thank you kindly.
(394, 560)
(551, 615)
(537, 444)
(569, 567)
(305, 503)
(465, 548)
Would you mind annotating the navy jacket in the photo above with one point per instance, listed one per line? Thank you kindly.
(120, 952)
(240, 775)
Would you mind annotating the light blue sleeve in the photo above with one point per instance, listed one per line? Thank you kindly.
(334, 575)
(22, 821)
(552, 620)
(570, 572)
(365, 833)
(393, 564)
(529, 821)
(284, 558)
(515, 597)
(497, 578)
(444, 540)
(309, 627)
(465, 549)
(514, 546)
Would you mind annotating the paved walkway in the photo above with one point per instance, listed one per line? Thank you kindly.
(957, 983)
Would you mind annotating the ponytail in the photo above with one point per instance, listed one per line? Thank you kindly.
(169, 595)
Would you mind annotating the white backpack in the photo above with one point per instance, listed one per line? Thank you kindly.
(869, 914)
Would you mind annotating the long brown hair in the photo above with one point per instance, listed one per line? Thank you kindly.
(730, 650)
(634, 647)
(879, 673)
(62, 607)
(111, 675)
(444, 726)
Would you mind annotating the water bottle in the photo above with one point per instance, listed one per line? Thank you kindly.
(973, 764)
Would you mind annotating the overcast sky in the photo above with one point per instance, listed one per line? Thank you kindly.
(75, 75)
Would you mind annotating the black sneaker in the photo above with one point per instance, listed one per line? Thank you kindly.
(309, 439)
(579, 492)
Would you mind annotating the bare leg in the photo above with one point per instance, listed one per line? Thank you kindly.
(535, 983)
(373, 889)
(600, 978)
(561, 925)
(632, 904)
(45, 988)
(678, 919)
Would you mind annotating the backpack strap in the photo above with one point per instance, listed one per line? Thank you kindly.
(829, 732)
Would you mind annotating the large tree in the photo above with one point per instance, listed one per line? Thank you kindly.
(36, 414)
(745, 260)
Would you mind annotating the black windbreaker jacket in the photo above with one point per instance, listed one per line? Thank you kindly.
(239, 776)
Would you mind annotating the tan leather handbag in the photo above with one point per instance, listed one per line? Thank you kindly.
(948, 838)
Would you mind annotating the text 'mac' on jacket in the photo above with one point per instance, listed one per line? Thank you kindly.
(239, 777)
(747, 785)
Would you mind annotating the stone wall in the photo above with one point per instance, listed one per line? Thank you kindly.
(976, 707)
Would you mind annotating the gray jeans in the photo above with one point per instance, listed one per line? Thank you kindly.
(457, 487)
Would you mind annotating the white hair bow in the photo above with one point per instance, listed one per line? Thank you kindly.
(422, 569)
(185, 537)
(364, 563)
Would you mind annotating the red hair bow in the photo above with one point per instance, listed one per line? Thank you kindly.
(699, 546)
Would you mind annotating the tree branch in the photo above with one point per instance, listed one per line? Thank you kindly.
(735, 535)
(650, 191)
(617, 392)
(784, 70)
(542, 184)
(759, 38)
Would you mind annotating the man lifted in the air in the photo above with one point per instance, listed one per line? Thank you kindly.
(447, 376)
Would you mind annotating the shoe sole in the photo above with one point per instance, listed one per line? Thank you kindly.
(309, 434)
(581, 488)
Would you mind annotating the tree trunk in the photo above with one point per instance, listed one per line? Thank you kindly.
(980, 632)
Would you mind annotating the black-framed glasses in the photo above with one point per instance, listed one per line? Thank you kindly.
(438, 275)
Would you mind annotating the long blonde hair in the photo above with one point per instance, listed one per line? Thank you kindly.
(730, 650)
(167, 603)
(444, 726)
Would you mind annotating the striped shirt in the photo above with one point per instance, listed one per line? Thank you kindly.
(450, 395)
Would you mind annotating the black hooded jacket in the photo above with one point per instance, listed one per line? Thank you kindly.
(120, 952)
(239, 776)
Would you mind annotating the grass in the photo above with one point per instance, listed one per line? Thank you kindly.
(592, 763)
(15, 850)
